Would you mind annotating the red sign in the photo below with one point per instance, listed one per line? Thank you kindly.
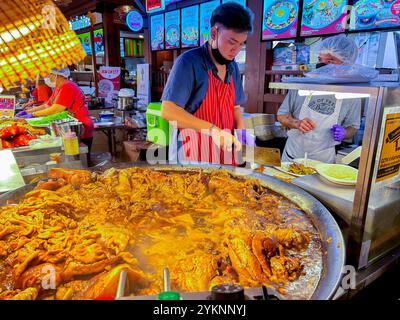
(155, 5)
(109, 82)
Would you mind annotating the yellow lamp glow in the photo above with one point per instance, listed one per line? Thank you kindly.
(34, 38)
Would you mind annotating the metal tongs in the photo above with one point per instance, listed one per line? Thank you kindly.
(166, 280)
(121, 284)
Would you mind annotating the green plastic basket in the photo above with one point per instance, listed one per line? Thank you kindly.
(158, 129)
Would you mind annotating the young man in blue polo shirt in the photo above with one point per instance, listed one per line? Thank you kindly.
(204, 91)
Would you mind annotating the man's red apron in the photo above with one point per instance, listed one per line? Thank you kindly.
(218, 109)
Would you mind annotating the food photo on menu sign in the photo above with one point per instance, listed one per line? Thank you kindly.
(172, 29)
(280, 19)
(374, 14)
(323, 17)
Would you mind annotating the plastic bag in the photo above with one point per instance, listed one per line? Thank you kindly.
(333, 73)
(357, 73)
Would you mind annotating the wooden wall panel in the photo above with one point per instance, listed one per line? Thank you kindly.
(255, 59)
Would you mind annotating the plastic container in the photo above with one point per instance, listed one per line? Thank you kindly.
(106, 116)
(158, 129)
(71, 144)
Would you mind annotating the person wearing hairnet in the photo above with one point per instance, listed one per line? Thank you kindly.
(66, 96)
(318, 123)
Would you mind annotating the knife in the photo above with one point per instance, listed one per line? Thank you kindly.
(260, 155)
(356, 153)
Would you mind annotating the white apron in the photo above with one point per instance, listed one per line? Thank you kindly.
(318, 143)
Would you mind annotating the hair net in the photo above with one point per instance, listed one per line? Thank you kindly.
(61, 72)
(341, 47)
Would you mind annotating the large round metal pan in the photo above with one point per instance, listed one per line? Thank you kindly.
(331, 235)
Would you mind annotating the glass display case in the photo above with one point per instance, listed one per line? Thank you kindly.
(369, 212)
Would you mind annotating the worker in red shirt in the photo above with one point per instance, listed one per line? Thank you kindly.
(41, 94)
(66, 96)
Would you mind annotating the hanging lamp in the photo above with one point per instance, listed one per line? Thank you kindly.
(34, 38)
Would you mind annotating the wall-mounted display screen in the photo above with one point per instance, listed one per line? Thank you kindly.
(98, 42)
(321, 17)
(280, 19)
(206, 10)
(375, 14)
(172, 29)
(157, 32)
(190, 27)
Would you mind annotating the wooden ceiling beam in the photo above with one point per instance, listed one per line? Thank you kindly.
(77, 8)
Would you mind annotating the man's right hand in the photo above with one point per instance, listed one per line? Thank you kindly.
(225, 140)
(306, 125)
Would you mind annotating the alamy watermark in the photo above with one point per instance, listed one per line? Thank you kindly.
(349, 278)
(49, 17)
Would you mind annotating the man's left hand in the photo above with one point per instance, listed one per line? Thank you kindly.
(338, 132)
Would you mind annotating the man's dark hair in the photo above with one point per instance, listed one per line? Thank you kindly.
(233, 16)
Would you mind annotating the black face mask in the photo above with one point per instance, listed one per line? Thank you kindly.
(319, 65)
(218, 56)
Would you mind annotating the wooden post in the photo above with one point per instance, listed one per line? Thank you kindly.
(254, 74)
(147, 46)
(94, 62)
(111, 38)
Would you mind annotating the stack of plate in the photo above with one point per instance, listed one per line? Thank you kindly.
(338, 173)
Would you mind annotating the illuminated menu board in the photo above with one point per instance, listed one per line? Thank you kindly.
(154, 5)
(157, 32)
(206, 10)
(98, 42)
(280, 19)
(321, 17)
(172, 29)
(375, 14)
(190, 27)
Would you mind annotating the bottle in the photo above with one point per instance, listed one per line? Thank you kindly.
(71, 144)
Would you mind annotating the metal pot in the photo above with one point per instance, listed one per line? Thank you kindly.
(264, 132)
(127, 103)
(126, 100)
(264, 119)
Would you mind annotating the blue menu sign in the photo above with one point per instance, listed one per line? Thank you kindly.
(134, 20)
(206, 10)
(157, 32)
(375, 14)
(190, 27)
(172, 29)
